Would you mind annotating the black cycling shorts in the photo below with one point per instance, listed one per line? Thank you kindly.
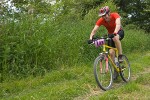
(121, 36)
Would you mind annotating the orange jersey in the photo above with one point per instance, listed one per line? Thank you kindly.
(110, 26)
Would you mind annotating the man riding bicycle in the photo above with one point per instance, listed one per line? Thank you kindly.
(112, 23)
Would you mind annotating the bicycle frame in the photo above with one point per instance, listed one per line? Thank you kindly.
(103, 65)
(116, 54)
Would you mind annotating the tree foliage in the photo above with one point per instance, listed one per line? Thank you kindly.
(136, 12)
(133, 11)
(75, 9)
(92, 15)
(41, 36)
(32, 6)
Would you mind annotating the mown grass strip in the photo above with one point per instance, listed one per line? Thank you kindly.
(72, 82)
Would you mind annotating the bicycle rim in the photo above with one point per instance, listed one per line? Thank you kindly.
(103, 73)
(125, 72)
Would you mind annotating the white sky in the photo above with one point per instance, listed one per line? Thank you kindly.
(51, 1)
(11, 6)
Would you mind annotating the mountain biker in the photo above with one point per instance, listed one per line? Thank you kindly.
(112, 22)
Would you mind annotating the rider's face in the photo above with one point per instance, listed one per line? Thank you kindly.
(106, 17)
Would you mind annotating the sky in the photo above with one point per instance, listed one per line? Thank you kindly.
(12, 7)
(51, 1)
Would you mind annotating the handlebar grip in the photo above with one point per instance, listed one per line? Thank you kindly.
(89, 41)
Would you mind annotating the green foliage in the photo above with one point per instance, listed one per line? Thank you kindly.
(36, 44)
(33, 46)
(137, 9)
(29, 7)
(22, 46)
(75, 9)
(132, 11)
(135, 39)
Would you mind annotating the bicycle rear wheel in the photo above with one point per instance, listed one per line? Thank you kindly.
(103, 72)
(125, 72)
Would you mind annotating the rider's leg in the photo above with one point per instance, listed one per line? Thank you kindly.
(117, 40)
(118, 44)
(112, 54)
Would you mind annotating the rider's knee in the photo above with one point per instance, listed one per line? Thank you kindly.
(111, 53)
(116, 38)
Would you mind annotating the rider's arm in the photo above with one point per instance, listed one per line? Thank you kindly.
(118, 25)
(94, 31)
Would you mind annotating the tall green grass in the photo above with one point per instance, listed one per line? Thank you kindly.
(34, 46)
(135, 40)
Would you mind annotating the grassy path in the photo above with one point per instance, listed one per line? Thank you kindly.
(97, 92)
(78, 83)
(137, 88)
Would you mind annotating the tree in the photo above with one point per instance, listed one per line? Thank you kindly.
(33, 6)
(76, 8)
(136, 12)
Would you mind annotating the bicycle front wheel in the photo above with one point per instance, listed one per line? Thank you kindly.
(125, 70)
(103, 72)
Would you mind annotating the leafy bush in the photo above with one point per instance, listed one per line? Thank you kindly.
(36, 45)
(135, 39)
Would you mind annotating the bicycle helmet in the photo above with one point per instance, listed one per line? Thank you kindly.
(103, 11)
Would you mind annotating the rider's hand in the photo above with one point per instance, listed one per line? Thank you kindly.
(90, 41)
(112, 35)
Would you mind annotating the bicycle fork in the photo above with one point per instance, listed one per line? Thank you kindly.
(105, 68)
(106, 65)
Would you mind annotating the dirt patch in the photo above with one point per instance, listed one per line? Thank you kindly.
(93, 92)
(145, 71)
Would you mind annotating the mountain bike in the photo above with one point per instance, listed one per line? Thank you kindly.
(103, 65)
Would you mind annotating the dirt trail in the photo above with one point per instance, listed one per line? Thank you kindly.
(95, 91)
(98, 91)
(145, 71)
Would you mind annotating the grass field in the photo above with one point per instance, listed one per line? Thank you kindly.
(78, 83)
(52, 61)
(47, 58)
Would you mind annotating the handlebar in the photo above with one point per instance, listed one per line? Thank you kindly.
(95, 39)
(99, 41)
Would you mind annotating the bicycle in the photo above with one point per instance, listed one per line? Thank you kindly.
(103, 65)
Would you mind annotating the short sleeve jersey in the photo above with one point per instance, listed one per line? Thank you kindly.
(110, 26)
